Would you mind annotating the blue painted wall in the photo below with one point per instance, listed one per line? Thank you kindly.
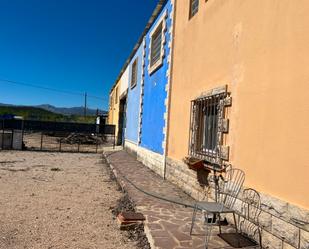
(155, 94)
(133, 100)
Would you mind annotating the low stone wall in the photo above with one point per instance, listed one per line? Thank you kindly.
(283, 225)
(152, 160)
(131, 147)
(179, 174)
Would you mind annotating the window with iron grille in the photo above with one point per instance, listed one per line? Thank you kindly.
(156, 43)
(193, 7)
(207, 125)
(134, 73)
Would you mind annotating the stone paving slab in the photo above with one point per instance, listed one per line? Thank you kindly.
(167, 225)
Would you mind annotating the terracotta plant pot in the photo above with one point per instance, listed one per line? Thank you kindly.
(194, 163)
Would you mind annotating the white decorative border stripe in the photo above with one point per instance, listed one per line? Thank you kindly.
(168, 75)
(141, 94)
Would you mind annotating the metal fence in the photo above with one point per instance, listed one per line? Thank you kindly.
(55, 136)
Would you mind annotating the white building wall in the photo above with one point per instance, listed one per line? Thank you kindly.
(124, 82)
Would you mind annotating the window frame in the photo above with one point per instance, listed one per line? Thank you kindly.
(206, 125)
(191, 14)
(198, 145)
(134, 71)
(157, 35)
(161, 22)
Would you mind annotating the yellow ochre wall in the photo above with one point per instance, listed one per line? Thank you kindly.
(260, 49)
(121, 87)
(113, 114)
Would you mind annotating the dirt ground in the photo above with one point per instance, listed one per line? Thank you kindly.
(56, 201)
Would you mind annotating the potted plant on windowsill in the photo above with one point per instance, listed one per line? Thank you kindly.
(194, 163)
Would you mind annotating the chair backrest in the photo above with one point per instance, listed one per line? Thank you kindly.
(232, 184)
(251, 210)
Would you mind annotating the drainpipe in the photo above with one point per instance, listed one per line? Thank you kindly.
(174, 3)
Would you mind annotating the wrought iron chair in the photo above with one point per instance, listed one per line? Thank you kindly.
(228, 192)
(249, 235)
(249, 222)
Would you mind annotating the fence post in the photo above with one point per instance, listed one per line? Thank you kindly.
(96, 144)
(2, 134)
(22, 135)
(114, 141)
(41, 140)
(12, 138)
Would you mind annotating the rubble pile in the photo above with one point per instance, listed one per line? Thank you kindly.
(82, 139)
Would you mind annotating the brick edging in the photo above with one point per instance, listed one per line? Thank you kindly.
(124, 189)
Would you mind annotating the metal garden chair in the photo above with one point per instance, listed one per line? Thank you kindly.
(251, 209)
(249, 235)
(228, 192)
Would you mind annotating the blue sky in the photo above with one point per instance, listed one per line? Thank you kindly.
(73, 45)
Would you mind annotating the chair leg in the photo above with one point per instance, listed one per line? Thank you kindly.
(219, 223)
(193, 219)
(235, 222)
(207, 239)
(208, 229)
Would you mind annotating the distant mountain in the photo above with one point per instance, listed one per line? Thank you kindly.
(63, 110)
(36, 113)
(70, 110)
(28, 112)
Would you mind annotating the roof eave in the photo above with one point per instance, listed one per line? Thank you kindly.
(155, 14)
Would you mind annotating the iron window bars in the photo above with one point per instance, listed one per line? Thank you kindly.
(207, 124)
(193, 7)
(156, 44)
(134, 73)
(156, 41)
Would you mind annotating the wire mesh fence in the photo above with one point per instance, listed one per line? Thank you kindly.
(55, 136)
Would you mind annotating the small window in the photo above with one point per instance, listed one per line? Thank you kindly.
(205, 117)
(134, 73)
(206, 114)
(193, 7)
(156, 43)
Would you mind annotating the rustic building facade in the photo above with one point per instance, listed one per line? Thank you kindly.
(254, 53)
(235, 84)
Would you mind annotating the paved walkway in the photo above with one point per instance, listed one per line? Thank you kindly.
(167, 225)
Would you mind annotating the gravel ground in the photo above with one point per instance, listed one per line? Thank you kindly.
(56, 201)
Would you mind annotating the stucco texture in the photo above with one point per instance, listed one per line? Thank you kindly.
(133, 100)
(260, 50)
(153, 122)
(124, 83)
(121, 87)
(113, 114)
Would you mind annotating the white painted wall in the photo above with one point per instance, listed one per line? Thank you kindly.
(124, 81)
